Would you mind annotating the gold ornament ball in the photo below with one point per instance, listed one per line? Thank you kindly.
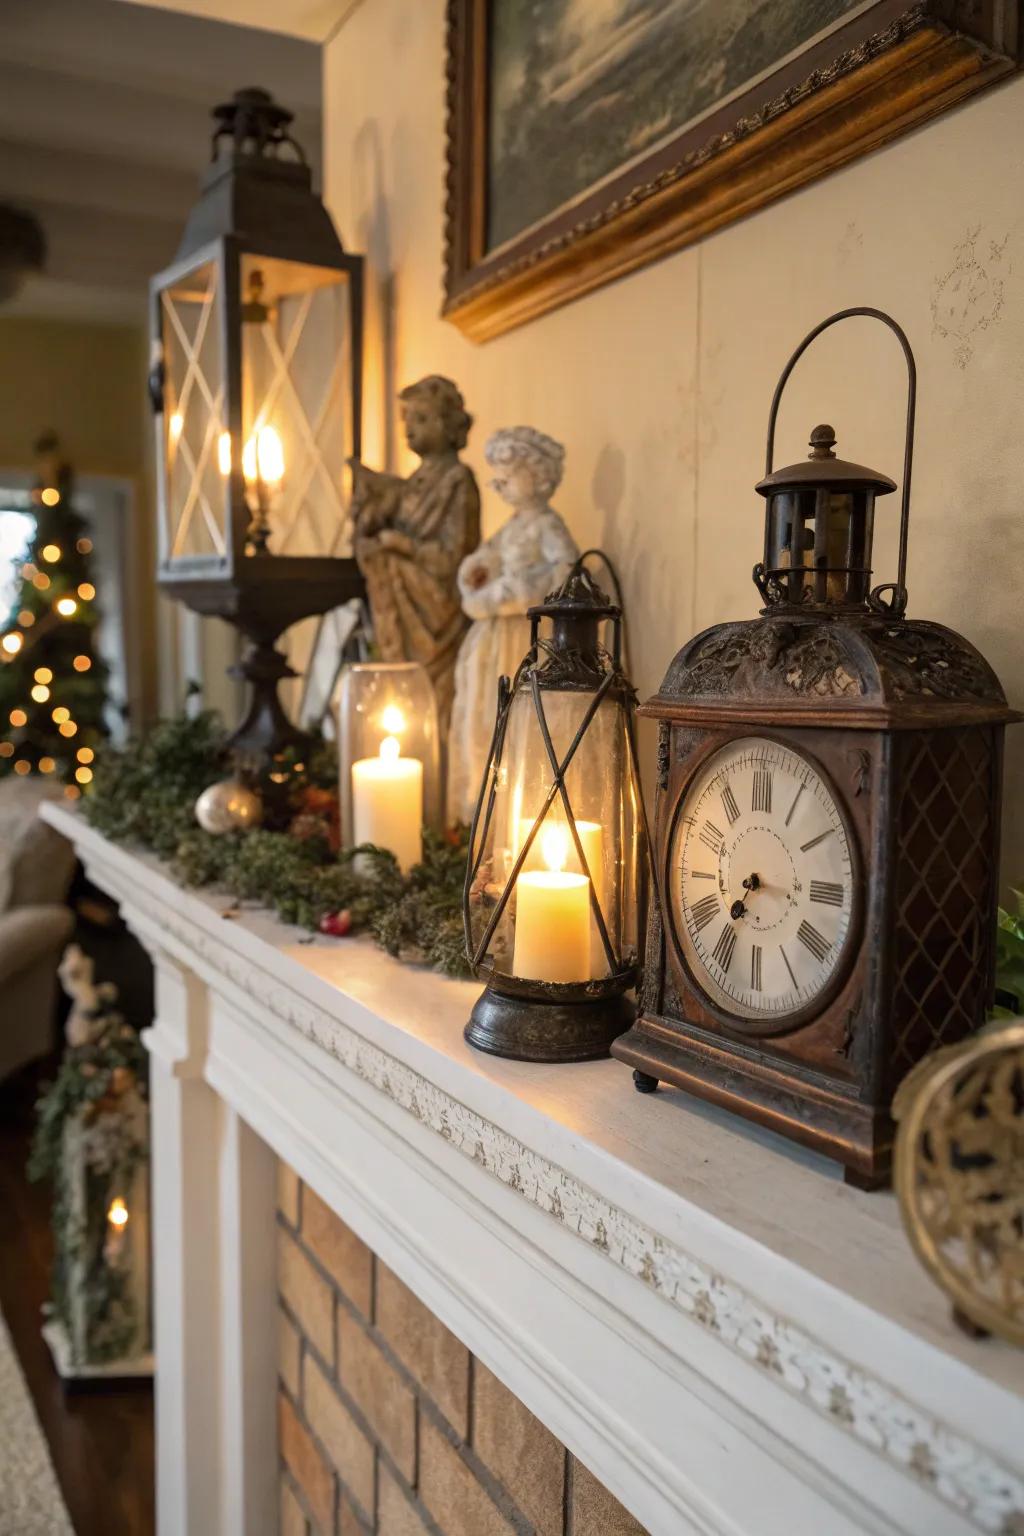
(230, 806)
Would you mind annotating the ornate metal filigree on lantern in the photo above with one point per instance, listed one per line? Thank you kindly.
(557, 866)
(959, 1175)
(256, 385)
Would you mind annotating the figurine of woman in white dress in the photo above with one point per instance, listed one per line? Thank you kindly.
(518, 566)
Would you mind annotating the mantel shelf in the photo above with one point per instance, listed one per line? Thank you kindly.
(733, 1339)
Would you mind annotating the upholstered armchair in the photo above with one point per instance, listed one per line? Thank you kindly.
(36, 864)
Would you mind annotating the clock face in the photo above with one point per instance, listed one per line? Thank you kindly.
(761, 882)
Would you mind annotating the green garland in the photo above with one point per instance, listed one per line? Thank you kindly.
(145, 793)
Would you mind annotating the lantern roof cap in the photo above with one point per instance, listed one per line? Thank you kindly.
(821, 467)
(579, 596)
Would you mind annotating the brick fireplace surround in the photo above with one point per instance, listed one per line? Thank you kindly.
(405, 1288)
(387, 1423)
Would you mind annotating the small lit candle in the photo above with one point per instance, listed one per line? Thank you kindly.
(117, 1221)
(387, 796)
(552, 916)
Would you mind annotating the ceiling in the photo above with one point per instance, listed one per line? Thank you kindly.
(105, 131)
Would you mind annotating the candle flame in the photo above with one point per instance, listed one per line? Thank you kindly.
(118, 1213)
(554, 846)
(393, 720)
(390, 748)
(263, 458)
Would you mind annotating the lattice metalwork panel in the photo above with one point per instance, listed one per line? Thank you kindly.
(193, 416)
(946, 843)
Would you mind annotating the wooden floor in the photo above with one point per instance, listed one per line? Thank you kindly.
(101, 1442)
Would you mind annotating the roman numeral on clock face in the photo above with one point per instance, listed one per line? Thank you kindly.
(761, 797)
(755, 968)
(827, 892)
(704, 910)
(724, 946)
(811, 939)
(711, 837)
(729, 805)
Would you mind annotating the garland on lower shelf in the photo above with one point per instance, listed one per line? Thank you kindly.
(146, 791)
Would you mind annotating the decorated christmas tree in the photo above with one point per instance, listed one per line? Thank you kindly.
(53, 681)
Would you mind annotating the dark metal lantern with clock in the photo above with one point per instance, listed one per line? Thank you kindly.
(827, 829)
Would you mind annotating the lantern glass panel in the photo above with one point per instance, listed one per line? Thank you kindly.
(815, 529)
(296, 360)
(380, 703)
(195, 440)
(603, 797)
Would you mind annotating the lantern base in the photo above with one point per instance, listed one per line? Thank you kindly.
(526, 1029)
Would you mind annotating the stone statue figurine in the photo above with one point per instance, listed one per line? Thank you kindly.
(412, 535)
(518, 566)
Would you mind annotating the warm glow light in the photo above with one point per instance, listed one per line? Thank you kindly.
(22, 767)
(82, 663)
(6, 748)
(71, 791)
(26, 618)
(224, 453)
(66, 606)
(85, 754)
(83, 775)
(554, 846)
(69, 728)
(84, 546)
(393, 720)
(46, 765)
(43, 675)
(40, 692)
(41, 581)
(18, 717)
(390, 749)
(86, 591)
(60, 714)
(175, 425)
(51, 553)
(263, 458)
(50, 496)
(118, 1213)
(12, 643)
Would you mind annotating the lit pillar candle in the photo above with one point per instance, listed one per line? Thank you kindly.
(387, 802)
(552, 940)
(590, 837)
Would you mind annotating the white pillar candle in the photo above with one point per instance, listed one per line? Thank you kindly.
(552, 940)
(387, 802)
(590, 837)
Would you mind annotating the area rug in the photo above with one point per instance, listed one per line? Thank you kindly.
(30, 1499)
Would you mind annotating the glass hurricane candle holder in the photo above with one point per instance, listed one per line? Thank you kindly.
(557, 867)
(388, 757)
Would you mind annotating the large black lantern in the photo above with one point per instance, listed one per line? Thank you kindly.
(256, 385)
(557, 865)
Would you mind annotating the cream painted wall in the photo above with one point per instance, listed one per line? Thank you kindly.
(659, 385)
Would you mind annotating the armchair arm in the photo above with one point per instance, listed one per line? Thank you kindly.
(29, 934)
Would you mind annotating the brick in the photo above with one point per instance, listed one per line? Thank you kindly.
(293, 1519)
(594, 1510)
(451, 1492)
(307, 1293)
(306, 1465)
(378, 1391)
(425, 1347)
(396, 1514)
(345, 1257)
(288, 1193)
(351, 1453)
(523, 1455)
(289, 1346)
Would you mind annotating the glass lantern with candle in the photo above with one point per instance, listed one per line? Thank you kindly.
(388, 756)
(557, 869)
(256, 385)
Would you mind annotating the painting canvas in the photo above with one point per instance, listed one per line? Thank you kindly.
(588, 137)
(582, 87)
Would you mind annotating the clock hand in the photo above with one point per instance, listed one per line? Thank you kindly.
(738, 908)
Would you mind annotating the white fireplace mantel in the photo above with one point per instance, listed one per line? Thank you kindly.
(735, 1342)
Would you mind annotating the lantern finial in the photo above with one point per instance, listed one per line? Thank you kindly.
(823, 442)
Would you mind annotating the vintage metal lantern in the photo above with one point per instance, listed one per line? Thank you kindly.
(827, 827)
(556, 875)
(256, 385)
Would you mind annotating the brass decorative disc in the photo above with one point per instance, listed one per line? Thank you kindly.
(959, 1173)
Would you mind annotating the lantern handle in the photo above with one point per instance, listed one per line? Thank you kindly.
(895, 606)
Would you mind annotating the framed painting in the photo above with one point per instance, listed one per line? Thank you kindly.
(589, 137)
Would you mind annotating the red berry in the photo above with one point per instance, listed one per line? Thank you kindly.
(336, 924)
